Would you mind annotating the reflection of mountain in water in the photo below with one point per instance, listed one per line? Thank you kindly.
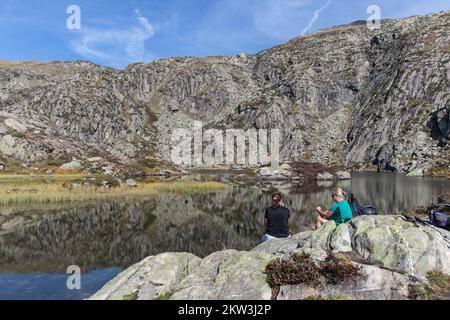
(394, 194)
(122, 232)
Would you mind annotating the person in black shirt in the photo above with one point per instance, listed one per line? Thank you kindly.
(276, 220)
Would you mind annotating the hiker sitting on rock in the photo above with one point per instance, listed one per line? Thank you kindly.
(276, 219)
(340, 212)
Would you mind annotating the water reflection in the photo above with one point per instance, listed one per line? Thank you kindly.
(122, 232)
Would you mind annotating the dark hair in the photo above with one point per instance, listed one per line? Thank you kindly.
(276, 199)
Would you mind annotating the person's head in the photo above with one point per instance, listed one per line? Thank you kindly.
(338, 194)
(277, 200)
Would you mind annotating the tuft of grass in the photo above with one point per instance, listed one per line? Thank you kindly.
(439, 280)
(300, 269)
(338, 268)
(297, 270)
(131, 296)
(437, 288)
(163, 297)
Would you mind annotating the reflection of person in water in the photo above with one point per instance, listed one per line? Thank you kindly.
(276, 219)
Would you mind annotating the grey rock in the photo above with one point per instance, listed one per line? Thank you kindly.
(131, 183)
(15, 125)
(278, 246)
(343, 175)
(392, 242)
(147, 280)
(340, 239)
(227, 275)
(325, 176)
(73, 165)
(393, 254)
(416, 173)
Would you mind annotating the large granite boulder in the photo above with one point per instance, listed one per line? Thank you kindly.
(393, 254)
(227, 275)
(149, 279)
(392, 242)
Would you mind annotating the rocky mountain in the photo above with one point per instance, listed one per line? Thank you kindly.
(344, 95)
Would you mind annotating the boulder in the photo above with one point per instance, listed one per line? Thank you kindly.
(343, 175)
(340, 239)
(326, 176)
(278, 246)
(15, 125)
(154, 277)
(95, 159)
(319, 239)
(73, 165)
(227, 275)
(392, 253)
(284, 172)
(131, 183)
(391, 242)
(107, 170)
(416, 173)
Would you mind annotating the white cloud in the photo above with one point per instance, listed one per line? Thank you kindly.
(117, 47)
(279, 19)
(231, 25)
(315, 17)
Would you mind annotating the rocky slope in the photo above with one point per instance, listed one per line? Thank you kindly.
(394, 257)
(344, 95)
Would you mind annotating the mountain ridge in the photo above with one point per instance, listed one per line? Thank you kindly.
(344, 95)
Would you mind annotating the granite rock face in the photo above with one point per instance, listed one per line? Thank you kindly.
(383, 101)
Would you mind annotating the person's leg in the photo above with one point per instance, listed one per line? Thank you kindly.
(320, 221)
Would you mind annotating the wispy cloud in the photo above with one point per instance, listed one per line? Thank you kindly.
(315, 17)
(232, 25)
(279, 19)
(116, 47)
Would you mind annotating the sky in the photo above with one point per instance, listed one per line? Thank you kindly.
(116, 33)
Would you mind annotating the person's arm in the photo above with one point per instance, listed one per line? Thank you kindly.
(324, 214)
(327, 214)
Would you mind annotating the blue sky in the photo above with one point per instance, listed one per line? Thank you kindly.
(117, 33)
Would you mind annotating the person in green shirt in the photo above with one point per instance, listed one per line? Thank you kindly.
(340, 212)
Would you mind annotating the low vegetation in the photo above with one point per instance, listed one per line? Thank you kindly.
(300, 269)
(437, 288)
(439, 172)
(65, 189)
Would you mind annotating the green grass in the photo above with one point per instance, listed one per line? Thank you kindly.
(163, 297)
(439, 280)
(437, 288)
